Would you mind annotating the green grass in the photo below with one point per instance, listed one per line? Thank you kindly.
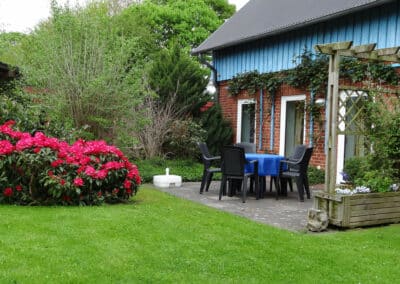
(162, 239)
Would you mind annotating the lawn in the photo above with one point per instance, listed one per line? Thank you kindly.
(162, 239)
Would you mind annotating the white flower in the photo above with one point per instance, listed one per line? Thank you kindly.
(344, 191)
(362, 189)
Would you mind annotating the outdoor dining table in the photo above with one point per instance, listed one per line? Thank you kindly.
(268, 165)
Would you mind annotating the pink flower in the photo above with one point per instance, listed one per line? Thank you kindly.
(53, 143)
(132, 173)
(62, 182)
(90, 171)
(18, 187)
(6, 147)
(138, 180)
(36, 150)
(113, 165)
(80, 169)
(102, 174)
(24, 143)
(78, 182)
(127, 184)
(8, 192)
(129, 191)
(50, 173)
(56, 163)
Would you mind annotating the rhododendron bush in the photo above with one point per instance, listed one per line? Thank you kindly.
(36, 169)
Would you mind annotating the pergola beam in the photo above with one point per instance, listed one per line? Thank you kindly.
(365, 51)
(330, 48)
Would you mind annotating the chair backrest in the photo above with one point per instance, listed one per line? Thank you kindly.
(303, 166)
(205, 154)
(204, 150)
(298, 153)
(248, 147)
(233, 161)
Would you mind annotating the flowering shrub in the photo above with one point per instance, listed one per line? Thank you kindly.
(36, 169)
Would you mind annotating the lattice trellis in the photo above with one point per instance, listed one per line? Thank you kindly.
(351, 112)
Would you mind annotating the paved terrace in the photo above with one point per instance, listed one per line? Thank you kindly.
(286, 213)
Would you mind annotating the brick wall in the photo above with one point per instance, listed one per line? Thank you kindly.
(229, 109)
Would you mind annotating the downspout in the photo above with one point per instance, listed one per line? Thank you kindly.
(260, 136)
(214, 75)
(312, 102)
(272, 132)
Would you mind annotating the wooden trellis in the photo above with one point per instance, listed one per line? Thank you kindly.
(336, 118)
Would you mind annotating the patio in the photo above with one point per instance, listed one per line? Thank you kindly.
(286, 213)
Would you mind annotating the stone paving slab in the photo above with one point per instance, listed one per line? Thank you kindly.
(286, 212)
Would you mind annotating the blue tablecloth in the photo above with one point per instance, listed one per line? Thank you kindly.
(268, 164)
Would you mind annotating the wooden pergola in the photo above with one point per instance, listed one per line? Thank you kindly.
(336, 51)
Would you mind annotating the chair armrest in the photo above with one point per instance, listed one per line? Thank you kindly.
(212, 158)
(290, 162)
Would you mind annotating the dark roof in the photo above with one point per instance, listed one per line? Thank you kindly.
(261, 18)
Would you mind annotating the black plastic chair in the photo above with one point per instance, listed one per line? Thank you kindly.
(233, 168)
(297, 169)
(248, 147)
(297, 154)
(208, 170)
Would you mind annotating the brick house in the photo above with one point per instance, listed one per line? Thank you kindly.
(266, 35)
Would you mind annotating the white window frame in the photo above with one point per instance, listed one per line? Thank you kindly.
(240, 103)
(282, 138)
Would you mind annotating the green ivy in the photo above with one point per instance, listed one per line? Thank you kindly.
(254, 81)
(311, 73)
(357, 71)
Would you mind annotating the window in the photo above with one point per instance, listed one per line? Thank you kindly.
(246, 122)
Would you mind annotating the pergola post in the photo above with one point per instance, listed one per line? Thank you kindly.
(332, 118)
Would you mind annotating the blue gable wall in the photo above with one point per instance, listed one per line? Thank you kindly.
(379, 25)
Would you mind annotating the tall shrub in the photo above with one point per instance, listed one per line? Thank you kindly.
(90, 69)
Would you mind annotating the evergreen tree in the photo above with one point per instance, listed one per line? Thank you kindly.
(174, 75)
(219, 130)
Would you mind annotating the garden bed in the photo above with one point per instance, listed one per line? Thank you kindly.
(360, 210)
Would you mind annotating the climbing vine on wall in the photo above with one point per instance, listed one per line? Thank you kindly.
(311, 73)
(254, 81)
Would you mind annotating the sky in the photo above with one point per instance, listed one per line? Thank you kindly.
(24, 15)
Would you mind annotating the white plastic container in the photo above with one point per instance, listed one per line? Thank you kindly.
(167, 180)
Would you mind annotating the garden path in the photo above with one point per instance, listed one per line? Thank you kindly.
(286, 213)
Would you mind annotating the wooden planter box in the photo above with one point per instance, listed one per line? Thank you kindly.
(359, 210)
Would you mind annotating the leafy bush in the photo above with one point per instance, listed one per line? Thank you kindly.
(355, 167)
(375, 180)
(190, 170)
(182, 139)
(36, 169)
(316, 176)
